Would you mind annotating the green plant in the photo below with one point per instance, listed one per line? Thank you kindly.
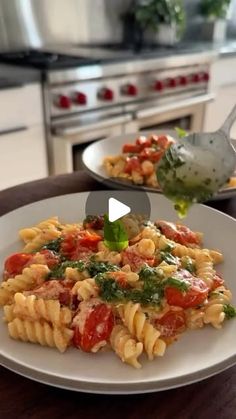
(214, 9)
(151, 13)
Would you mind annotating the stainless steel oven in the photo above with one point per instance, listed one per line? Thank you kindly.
(70, 139)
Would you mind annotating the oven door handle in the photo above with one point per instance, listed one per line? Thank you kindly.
(145, 113)
(65, 130)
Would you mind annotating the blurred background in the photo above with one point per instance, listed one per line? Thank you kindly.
(76, 71)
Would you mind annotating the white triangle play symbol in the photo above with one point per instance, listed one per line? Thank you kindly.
(116, 209)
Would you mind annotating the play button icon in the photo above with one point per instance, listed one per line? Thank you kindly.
(117, 209)
(129, 207)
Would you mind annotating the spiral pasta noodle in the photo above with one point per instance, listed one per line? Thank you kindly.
(125, 346)
(205, 268)
(42, 238)
(85, 289)
(135, 320)
(28, 234)
(30, 277)
(214, 311)
(34, 308)
(40, 332)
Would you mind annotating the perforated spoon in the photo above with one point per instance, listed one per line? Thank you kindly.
(197, 166)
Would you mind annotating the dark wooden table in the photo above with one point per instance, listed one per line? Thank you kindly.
(214, 398)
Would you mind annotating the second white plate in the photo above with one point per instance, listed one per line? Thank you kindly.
(95, 153)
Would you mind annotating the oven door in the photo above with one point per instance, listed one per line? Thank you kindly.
(186, 113)
(69, 141)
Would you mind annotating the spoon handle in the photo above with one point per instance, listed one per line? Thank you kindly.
(229, 122)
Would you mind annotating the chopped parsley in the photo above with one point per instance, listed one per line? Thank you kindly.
(59, 270)
(169, 258)
(188, 264)
(147, 272)
(53, 245)
(94, 267)
(176, 283)
(229, 311)
(181, 132)
(110, 290)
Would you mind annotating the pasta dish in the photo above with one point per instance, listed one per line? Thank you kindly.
(67, 288)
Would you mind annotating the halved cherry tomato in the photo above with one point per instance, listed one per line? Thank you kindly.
(120, 278)
(51, 258)
(97, 328)
(217, 281)
(77, 245)
(15, 263)
(178, 232)
(130, 148)
(194, 296)
(135, 260)
(163, 141)
(150, 154)
(172, 323)
(131, 164)
(143, 142)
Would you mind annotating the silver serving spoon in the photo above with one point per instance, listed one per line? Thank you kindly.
(197, 166)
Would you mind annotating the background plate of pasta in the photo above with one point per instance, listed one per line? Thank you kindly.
(156, 314)
(130, 161)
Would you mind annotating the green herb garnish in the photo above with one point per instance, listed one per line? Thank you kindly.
(169, 258)
(188, 264)
(181, 285)
(115, 235)
(59, 271)
(53, 245)
(229, 311)
(147, 272)
(181, 132)
(94, 267)
(110, 290)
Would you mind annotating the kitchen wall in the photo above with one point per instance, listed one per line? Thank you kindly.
(34, 23)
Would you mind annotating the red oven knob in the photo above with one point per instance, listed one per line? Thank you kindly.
(63, 102)
(205, 76)
(172, 83)
(129, 90)
(106, 94)
(79, 98)
(183, 80)
(196, 78)
(159, 85)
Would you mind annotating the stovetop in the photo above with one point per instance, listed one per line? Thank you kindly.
(44, 60)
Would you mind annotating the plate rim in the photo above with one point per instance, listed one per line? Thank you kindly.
(170, 382)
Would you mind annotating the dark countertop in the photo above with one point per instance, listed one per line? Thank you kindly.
(12, 76)
(23, 398)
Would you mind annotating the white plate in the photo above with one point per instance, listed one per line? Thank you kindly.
(197, 355)
(95, 153)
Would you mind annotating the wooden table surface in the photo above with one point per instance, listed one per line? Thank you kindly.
(213, 398)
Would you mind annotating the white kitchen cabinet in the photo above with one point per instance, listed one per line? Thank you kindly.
(23, 155)
(223, 84)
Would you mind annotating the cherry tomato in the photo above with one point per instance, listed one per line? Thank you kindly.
(130, 148)
(78, 245)
(143, 142)
(163, 141)
(120, 278)
(178, 232)
(194, 296)
(97, 328)
(95, 222)
(15, 263)
(135, 260)
(217, 281)
(131, 164)
(150, 154)
(172, 323)
(51, 258)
